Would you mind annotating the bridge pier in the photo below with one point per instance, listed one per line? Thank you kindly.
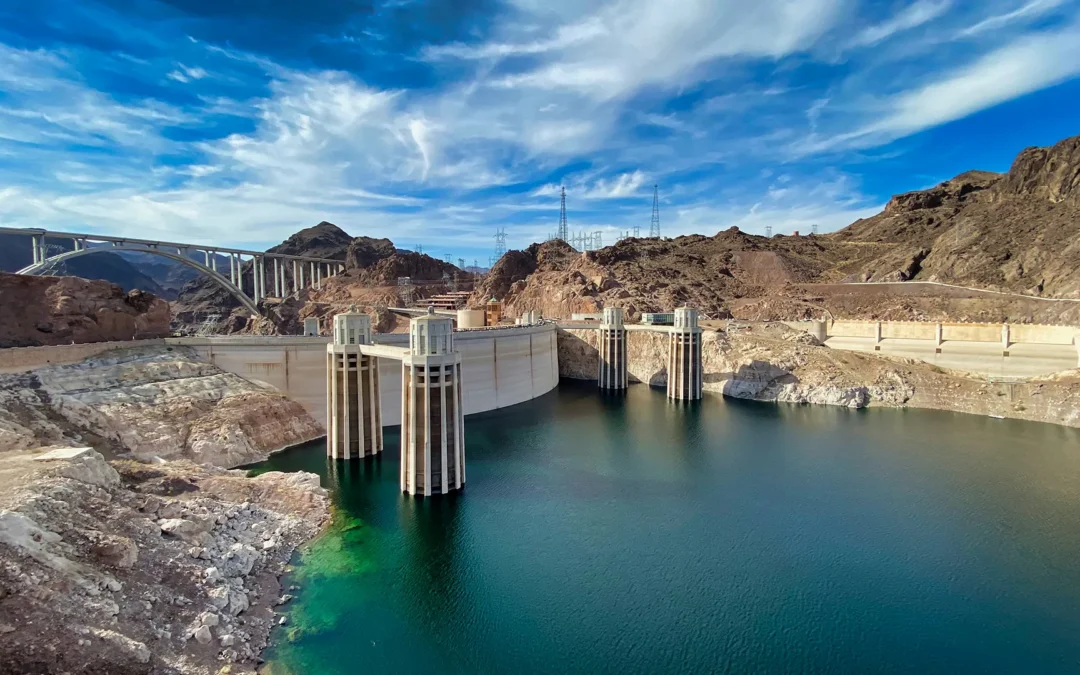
(432, 420)
(612, 373)
(354, 419)
(684, 357)
(37, 242)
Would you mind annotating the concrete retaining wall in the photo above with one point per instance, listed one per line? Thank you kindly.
(971, 332)
(961, 332)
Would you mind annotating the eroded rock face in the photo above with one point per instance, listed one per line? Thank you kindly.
(151, 402)
(92, 581)
(1050, 173)
(38, 311)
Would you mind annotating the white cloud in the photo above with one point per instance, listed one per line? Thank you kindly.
(1027, 65)
(912, 16)
(1031, 10)
(565, 36)
(624, 185)
(185, 74)
(634, 43)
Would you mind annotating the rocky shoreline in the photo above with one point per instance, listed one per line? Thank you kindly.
(157, 559)
(121, 567)
(771, 362)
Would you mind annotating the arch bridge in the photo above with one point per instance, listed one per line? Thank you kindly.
(246, 279)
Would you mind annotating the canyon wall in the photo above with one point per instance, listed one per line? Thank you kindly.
(65, 310)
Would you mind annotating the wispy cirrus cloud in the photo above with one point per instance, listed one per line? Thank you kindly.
(912, 16)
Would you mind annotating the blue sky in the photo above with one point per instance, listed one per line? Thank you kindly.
(436, 123)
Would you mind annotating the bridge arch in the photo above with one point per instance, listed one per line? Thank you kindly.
(223, 281)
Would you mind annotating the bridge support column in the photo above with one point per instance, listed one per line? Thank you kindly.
(354, 420)
(213, 259)
(684, 357)
(318, 274)
(432, 421)
(612, 373)
(37, 243)
(277, 278)
(260, 279)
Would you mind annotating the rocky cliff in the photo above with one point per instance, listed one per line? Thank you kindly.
(148, 403)
(771, 362)
(117, 568)
(1015, 231)
(64, 310)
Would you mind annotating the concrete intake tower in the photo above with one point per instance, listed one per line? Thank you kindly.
(684, 356)
(354, 420)
(432, 417)
(613, 374)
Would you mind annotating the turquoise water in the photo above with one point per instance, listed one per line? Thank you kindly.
(627, 534)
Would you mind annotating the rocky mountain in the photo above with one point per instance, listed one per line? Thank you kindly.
(64, 310)
(202, 297)
(372, 269)
(1015, 232)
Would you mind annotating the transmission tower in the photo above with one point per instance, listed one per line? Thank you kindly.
(500, 243)
(813, 228)
(461, 263)
(768, 231)
(654, 225)
(447, 258)
(418, 248)
(563, 233)
(598, 240)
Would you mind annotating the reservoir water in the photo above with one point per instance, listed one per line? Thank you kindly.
(628, 534)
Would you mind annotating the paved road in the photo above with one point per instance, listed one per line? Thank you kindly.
(983, 358)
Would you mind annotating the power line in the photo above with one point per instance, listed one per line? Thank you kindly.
(654, 224)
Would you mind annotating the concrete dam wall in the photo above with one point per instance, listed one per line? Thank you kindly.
(499, 367)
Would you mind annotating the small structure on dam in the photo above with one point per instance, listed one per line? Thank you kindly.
(684, 356)
(354, 420)
(432, 416)
(612, 373)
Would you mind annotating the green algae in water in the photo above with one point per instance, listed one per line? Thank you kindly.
(629, 534)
